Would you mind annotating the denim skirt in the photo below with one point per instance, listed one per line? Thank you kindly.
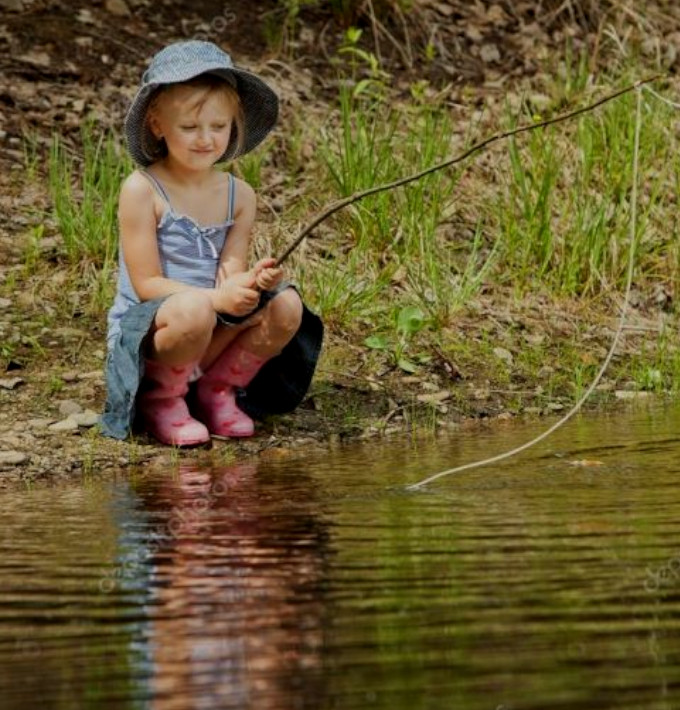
(278, 387)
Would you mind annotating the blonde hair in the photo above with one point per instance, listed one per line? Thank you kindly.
(208, 85)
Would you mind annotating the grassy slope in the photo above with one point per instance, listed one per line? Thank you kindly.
(486, 289)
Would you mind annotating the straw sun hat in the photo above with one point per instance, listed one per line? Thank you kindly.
(183, 61)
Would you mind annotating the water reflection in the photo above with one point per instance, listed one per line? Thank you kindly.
(236, 612)
(317, 581)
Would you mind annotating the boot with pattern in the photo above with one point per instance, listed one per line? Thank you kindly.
(216, 395)
(162, 408)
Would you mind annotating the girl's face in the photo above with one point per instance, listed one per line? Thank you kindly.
(196, 125)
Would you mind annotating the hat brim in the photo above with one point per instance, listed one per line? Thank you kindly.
(260, 112)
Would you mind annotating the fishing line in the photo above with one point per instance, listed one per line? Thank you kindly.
(340, 204)
(612, 349)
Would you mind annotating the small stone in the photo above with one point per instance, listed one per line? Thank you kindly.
(534, 338)
(88, 418)
(555, 406)
(65, 425)
(68, 407)
(12, 442)
(13, 458)
(70, 376)
(489, 53)
(435, 398)
(444, 8)
(85, 16)
(5, 303)
(12, 5)
(628, 394)
(94, 375)
(11, 383)
(37, 59)
(40, 423)
(532, 410)
(503, 354)
(118, 8)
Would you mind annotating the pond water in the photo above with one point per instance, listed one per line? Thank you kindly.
(317, 581)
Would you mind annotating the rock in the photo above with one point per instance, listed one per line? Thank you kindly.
(534, 338)
(68, 407)
(12, 5)
(5, 303)
(71, 376)
(88, 418)
(628, 394)
(489, 53)
(12, 442)
(37, 59)
(118, 8)
(555, 406)
(95, 375)
(85, 16)
(41, 423)
(434, 398)
(503, 354)
(13, 458)
(64, 425)
(11, 383)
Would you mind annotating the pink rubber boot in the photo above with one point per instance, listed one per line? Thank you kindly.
(162, 407)
(215, 395)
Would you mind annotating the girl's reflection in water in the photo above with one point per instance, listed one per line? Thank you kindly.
(236, 610)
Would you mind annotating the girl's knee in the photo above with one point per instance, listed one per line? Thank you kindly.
(190, 313)
(285, 311)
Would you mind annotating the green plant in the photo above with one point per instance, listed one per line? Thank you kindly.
(409, 321)
(31, 252)
(84, 191)
(54, 385)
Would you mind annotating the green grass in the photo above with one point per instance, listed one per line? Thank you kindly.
(544, 214)
(563, 208)
(84, 191)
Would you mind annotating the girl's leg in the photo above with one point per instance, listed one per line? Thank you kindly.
(234, 358)
(265, 334)
(183, 328)
(182, 331)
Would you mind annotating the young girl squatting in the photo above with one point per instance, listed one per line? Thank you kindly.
(188, 309)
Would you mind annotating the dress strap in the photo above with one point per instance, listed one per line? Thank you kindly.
(157, 183)
(232, 198)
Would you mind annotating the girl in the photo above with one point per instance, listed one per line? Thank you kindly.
(188, 309)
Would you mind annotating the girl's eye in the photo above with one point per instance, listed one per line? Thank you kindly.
(220, 126)
(187, 128)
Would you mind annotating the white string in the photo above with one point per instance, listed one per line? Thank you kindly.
(661, 98)
(612, 349)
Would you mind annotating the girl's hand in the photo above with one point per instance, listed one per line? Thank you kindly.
(267, 276)
(237, 294)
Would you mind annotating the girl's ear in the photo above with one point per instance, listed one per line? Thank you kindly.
(154, 125)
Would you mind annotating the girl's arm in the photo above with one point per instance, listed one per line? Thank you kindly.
(234, 258)
(137, 224)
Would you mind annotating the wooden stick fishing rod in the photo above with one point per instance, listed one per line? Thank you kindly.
(339, 204)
